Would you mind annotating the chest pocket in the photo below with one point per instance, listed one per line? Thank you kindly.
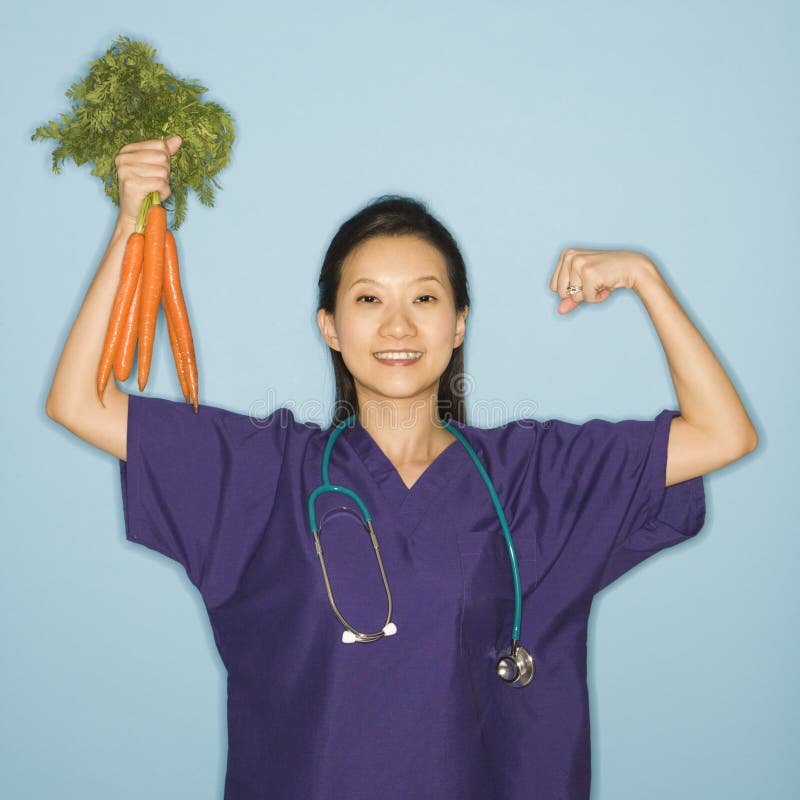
(488, 589)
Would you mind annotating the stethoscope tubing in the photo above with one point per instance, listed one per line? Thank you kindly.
(512, 550)
(518, 668)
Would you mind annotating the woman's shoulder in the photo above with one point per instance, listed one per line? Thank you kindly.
(525, 436)
(501, 444)
(213, 420)
(286, 418)
(491, 430)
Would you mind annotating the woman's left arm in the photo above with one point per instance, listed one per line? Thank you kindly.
(713, 428)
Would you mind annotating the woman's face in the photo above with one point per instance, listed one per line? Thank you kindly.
(394, 294)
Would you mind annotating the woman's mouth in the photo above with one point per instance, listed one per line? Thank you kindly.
(398, 358)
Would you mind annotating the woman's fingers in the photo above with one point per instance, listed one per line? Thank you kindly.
(572, 275)
(597, 272)
(568, 273)
(168, 146)
(557, 272)
(142, 168)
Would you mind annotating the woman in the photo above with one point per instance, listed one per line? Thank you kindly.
(418, 706)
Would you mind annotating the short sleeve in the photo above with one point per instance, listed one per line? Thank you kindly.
(199, 488)
(606, 482)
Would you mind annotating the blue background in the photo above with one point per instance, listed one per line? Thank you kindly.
(528, 128)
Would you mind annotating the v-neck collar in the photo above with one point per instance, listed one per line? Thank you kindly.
(437, 476)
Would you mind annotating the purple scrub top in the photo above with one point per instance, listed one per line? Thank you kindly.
(421, 713)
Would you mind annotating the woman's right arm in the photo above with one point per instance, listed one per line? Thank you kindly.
(142, 167)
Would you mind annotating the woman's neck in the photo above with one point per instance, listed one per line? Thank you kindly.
(408, 433)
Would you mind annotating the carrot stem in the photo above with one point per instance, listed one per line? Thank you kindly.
(141, 219)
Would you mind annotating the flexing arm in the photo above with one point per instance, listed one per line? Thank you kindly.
(713, 428)
(142, 167)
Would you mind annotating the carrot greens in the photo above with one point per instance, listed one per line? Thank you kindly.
(129, 97)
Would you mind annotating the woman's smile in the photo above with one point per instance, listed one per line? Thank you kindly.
(398, 358)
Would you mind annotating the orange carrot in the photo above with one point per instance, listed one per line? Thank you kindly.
(174, 301)
(123, 360)
(152, 281)
(176, 349)
(131, 267)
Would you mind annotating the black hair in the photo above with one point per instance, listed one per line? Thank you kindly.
(393, 215)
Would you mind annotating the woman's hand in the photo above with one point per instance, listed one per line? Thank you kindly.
(143, 167)
(598, 273)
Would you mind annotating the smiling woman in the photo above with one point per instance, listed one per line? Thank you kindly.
(414, 270)
(479, 533)
(397, 342)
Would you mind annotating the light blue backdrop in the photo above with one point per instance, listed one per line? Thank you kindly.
(668, 128)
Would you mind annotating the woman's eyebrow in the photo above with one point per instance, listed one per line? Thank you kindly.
(379, 283)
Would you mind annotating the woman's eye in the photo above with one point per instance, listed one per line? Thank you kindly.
(367, 297)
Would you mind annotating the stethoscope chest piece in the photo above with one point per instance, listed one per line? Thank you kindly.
(518, 668)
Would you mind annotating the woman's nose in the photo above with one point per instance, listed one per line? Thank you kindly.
(397, 322)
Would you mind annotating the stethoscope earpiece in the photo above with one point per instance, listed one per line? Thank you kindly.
(348, 637)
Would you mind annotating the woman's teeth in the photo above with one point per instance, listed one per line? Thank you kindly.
(398, 356)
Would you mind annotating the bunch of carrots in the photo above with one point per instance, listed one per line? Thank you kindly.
(149, 276)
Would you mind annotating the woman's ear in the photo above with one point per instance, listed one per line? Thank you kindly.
(327, 328)
(461, 326)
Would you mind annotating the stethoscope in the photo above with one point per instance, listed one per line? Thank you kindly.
(515, 668)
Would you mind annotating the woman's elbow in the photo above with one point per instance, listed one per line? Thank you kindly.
(744, 446)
